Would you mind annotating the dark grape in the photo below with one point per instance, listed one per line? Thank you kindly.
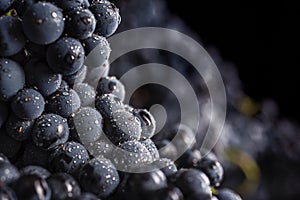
(63, 102)
(110, 85)
(99, 176)
(166, 166)
(108, 104)
(12, 39)
(182, 136)
(49, 131)
(148, 183)
(122, 126)
(80, 23)
(68, 157)
(102, 147)
(43, 23)
(28, 104)
(65, 56)
(12, 78)
(193, 182)
(107, 17)
(166, 149)
(213, 169)
(97, 50)
(188, 159)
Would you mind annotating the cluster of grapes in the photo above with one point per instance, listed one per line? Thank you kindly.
(58, 134)
(255, 133)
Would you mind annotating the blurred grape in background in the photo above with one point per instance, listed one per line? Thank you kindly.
(252, 46)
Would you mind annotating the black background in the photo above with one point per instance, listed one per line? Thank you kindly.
(261, 39)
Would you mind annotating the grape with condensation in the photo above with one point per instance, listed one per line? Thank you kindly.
(107, 17)
(63, 122)
(88, 124)
(111, 85)
(43, 23)
(65, 56)
(68, 158)
(86, 94)
(80, 23)
(108, 104)
(122, 126)
(64, 102)
(49, 131)
(28, 104)
(12, 78)
(99, 176)
(97, 50)
(150, 146)
(132, 156)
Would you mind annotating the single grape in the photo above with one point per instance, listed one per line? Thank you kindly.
(43, 23)
(80, 23)
(49, 131)
(107, 17)
(12, 39)
(12, 78)
(65, 56)
(28, 104)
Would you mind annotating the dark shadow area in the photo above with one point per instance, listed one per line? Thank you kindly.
(261, 39)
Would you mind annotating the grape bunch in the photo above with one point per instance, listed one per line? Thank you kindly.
(64, 127)
(259, 143)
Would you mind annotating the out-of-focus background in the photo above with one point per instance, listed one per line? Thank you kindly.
(262, 39)
(255, 48)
